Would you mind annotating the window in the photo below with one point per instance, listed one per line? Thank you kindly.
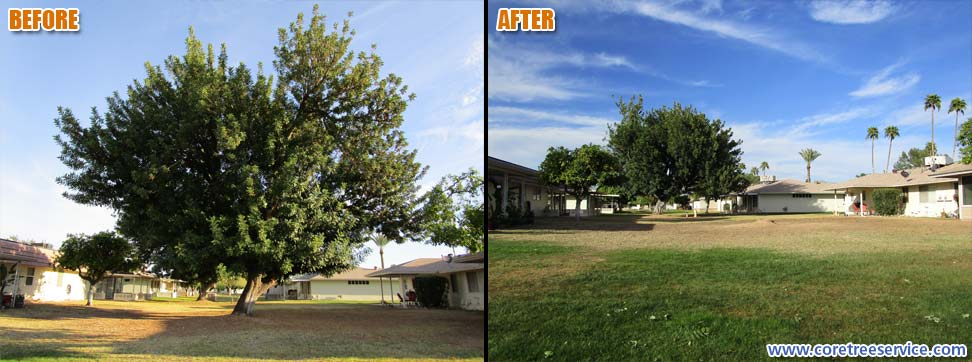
(358, 282)
(925, 194)
(454, 281)
(536, 193)
(30, 277)
(904, 195)
(60, 279)
(472, 282)
(967, 190)
(802, 196)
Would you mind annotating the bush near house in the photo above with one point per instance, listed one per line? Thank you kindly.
(431, 291)
(887, 201)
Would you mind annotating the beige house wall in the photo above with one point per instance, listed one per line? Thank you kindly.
(48, 285)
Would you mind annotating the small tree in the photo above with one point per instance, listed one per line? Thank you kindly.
(95, 256)
(579, 170)
(965, 140)
(381, 241)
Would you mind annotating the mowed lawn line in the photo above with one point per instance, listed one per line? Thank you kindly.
(718, 303)
(205, 330)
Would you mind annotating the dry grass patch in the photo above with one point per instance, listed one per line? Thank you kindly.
(189, 330)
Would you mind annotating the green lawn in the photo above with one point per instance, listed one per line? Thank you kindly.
(205, 331)
(655, 288)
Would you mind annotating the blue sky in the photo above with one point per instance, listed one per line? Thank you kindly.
(783, 75)
(437, 47)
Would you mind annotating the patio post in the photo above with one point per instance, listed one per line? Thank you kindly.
(860, 210)
(835, 202)
(506, 192)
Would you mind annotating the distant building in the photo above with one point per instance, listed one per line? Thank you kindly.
(466, 275)
(354, 284)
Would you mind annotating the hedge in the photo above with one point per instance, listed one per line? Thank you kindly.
(887, 201)
(431, 291)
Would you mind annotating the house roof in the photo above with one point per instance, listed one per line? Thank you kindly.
(427, 266)
(352, 274)
(493, 162)
(915, 176)
(789, 186)
(30, 255)
(955, 169)
(470, 258)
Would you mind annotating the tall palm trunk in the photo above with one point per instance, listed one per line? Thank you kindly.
(381, 281)
(934, 149)
(808, 172)
(888, 164)
(955, 139)
(872, 155)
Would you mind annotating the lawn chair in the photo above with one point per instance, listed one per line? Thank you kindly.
(407, 301)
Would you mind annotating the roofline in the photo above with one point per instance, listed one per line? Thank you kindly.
(922, 183)
(512, 165)
(953, 173)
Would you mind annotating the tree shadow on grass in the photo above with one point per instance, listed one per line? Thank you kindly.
(277, 331)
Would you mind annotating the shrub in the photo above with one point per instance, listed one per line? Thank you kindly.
(887, 201)
(431, 291)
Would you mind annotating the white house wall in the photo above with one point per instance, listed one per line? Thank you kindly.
(45, 286)
(774, 203)
(941, 200)
(340, 289)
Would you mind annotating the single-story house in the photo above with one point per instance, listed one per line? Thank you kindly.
(512, 184)
(963, 174)
(138, 286)
(34, 275)
(466, 275)
(788, 195)
(927, 193)
(353, 284)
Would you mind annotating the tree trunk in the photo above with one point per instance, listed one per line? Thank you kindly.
(204, 289)
(955, 139)
(381, 281)
(707, 205)
(255, 287)
(577, 202)
(90, 290)
(808, 172)
(888, 165)
(872, 156)
(934, 149)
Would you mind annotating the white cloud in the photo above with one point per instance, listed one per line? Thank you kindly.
(711, 6)
(762, 37)
(528, 146)
(850, 11)
(811, 124)
(501, 114)
(883, 83)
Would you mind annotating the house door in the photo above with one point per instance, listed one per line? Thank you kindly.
(304, 290)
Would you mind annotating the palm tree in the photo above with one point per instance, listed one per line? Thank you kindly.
(957, 106)
(381, 240)
(764, 166)
(809, 155)
(754, 171)
(933, 102)
(890, 132)
(873, 135)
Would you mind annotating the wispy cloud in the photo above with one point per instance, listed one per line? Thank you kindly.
(514, 115)
(850, 11)
(765, 38)
(521, 74)
(810, 125)
(883, 83)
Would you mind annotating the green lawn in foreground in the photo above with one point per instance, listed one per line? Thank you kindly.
(587, 296)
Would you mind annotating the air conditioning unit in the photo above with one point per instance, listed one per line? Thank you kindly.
(940, 160)
(767, 178)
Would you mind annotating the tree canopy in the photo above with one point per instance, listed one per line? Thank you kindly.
(94, 257)
(206, 163)
(674, 151)
(965, 141)
(579, 171)
(454, 212)
(914, 157)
